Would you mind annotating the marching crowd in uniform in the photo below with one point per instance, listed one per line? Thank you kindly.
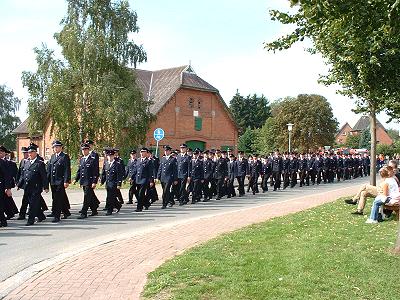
(185, 175)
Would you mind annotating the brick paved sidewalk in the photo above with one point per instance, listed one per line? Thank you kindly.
(118, 270)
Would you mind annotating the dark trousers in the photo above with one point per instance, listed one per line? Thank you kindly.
(60, 201)
(339, 174)
(230, 188)
(206, 189)
(197, 187)
(112, 199)
(293, 179)
(25, 202)
(132, 191)
(286, 179)
(213, 182)
(119, 196)
(277, 179)
(253, 183)
(10, 208)
(220, 187)
(89, 200)
(143, 200)
(183, 194)
(34, 205)
(240, 180)
(167, 196)
(151, 194)
(302, 177)
(264, 182)
(311, 176)
(2, 211)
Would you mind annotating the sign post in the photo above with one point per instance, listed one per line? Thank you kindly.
(158, 136)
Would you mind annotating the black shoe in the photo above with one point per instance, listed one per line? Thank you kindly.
(82, 216)
(357, 213)
(21, 218)
(350, 201)
(217, 198)
(206, 200)
(3, 223)
(50, 215)
(163, 207)
(193, 202)
(138, 210)
(67, 214)
(181, 203)
(241, 195)
(80, 211)
(55, 220)
(29, 223)
(105, 209)
(94, 213)
(108, 213)
(146, 208)
(171, 204)
(41, 218)
(129, 202)
(228, 196)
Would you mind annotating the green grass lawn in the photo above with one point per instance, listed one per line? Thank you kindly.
(322, 253)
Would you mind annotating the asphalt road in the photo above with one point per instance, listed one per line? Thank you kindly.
(22, 246)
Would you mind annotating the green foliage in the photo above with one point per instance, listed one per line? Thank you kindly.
(353, 141)
(390, 150)
(8, 120)
(251, 111)
(247, 140)
(314, 124)
(365, 139)
(91, 93)
(394, 134)
(315, 254)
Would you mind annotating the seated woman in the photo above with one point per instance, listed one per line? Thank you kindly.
(388, 193)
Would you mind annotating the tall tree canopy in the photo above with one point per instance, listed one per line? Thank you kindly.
(314, 124)
(360, 41)
(251, 111)
(91, 92)
(9, 104)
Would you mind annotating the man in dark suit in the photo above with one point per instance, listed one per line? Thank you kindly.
(24, 204)
(168, 176)
(277, 169)
(130, 173)
(59, 176)
(196, 175)
(87, 175)
(121, 165)
(34, 180)
(220, 173)
(254, 173)
(96, 156)
(232, 174)
(112, 176)
(6, 183)
(293, 169)
(303, 165)
(144, 179)
(9, 206)
(183, 160)
(242, 171)
(152, 193)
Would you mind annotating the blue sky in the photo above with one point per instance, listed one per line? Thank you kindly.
(223, 39)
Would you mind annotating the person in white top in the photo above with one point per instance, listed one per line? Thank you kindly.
(388, 192)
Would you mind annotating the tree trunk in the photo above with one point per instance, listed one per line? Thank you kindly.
(372, 118)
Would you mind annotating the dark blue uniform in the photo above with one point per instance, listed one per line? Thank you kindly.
(277, 168)
(208, 166)
(58, 173)
(167, 174)
(130, 174)
(183, 173)
(33, 181)
(197, 178)
(220, 174)
(112, 176)
(144, 176)
(5, 183)
(88, 174)
(232, 174)
(242, 171)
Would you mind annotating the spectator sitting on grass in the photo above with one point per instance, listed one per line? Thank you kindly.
(388, 193)
(367, 190)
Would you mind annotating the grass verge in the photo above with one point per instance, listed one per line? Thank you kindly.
(321, 253)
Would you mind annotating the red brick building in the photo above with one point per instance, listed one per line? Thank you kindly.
(361, 125)
(189, 109)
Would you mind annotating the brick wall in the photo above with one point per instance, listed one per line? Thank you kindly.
(177, 120)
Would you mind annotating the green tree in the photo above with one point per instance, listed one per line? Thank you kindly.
(247, 140)
(251, 111)
(91, 92)
(360, 42)
(265, 141)
(353, 141)
(314, 123)
(9, 105)
(394, 134)
(365, 139)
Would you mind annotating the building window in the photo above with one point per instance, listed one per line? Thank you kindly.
(198, 123)
(191, 102)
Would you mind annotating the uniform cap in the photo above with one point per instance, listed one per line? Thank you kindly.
(24, 149)
(32, 149)
(144, 149)
(85, 146)
(133, 151)
(33, 145)
(56, 143)
(167, 148)
(89, 142)
(183, 145)
(110, 151)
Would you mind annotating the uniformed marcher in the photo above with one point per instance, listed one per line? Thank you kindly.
(112, 175)
(168, 176)
(208, 165)
(303, 166)
(144, 179)
(121, 164)
(152, 193)
(242, 171)
(220, 173)
(196, 175)
(59, 177)
(33, 181)
(96, 156)
(254, 173)
(277, 169)
(285, 170)
(293, 169)
(232, 174)
(24, 203)
(87, 175)
(5, 187)
(10, 208)
(183, 160)
(130, 173)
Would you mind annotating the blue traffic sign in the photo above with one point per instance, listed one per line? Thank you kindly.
(158, 134)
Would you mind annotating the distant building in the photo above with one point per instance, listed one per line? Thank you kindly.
(189, 109)
(363, 124)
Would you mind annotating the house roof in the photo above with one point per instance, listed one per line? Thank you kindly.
(22, 128)
(159, 86)
(363, 124)
(341, 128)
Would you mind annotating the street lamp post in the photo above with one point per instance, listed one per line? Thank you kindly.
(290, 128)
